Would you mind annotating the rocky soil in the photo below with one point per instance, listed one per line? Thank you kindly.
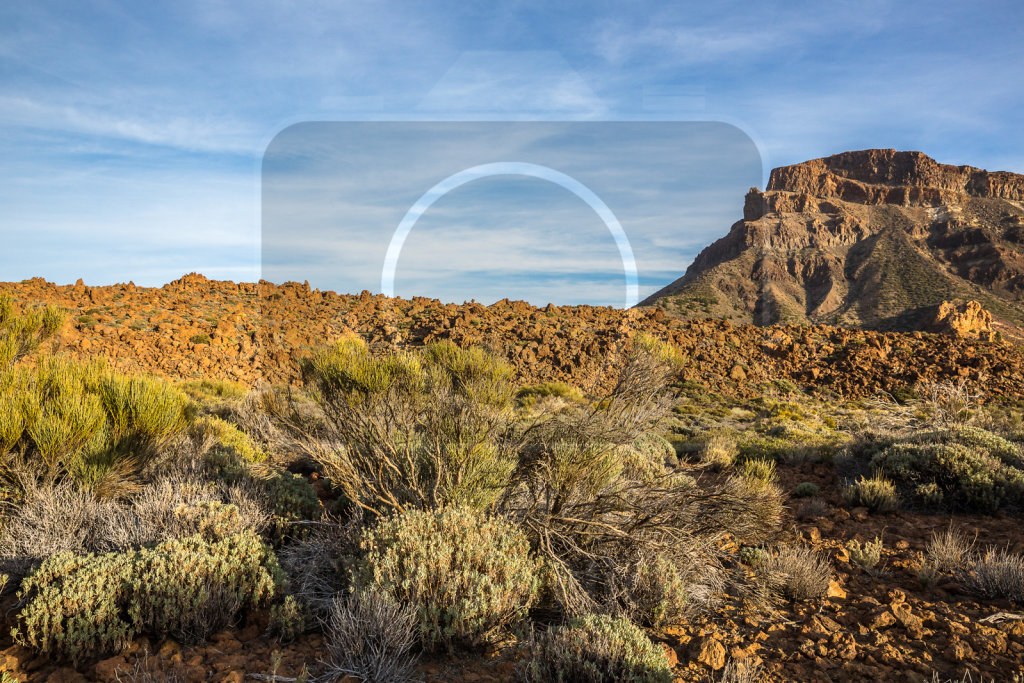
(874, 625)
(247, 332)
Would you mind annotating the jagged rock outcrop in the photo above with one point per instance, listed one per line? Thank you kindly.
(874, 238)
(967, 320)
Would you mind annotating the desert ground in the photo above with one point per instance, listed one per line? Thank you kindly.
(221, 481)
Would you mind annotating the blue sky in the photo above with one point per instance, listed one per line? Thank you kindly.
(132, 134)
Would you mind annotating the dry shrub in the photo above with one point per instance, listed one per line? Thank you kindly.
(316, 565)
(745, 671)
(797, 572)
(998, 574)
(948, 404)
(371, 637)
(595, 649)
(945, 554)
(65, 518)
(414, 430)
(55, 519)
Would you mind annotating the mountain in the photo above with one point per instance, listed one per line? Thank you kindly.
(875, 238)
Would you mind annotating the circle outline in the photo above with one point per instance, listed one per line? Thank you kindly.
(520, 168)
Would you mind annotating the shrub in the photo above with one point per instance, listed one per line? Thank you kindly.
(80, 419)
(759, 470)
(945, 553)
(532, 394)
(22, 333)
(287, 618)
(200, 338)
(417, 430)
(962, 467)
(998, 574)
(466, 575)
(371, 637)
(797, 572)
(294, 500)
(659, 592)
(866, 555)
(83, 606)
(229, 437)
(595, 649)
(806, 490)
(719, 452)
(876, 493)
(317, 565)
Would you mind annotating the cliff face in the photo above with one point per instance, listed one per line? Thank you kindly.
(876, 238)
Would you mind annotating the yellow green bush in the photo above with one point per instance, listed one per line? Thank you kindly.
(228, 436)
(65, 418)
(595, 649)
(468, 576)
(22, 333)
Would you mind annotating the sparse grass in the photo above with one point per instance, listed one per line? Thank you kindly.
(998, 574)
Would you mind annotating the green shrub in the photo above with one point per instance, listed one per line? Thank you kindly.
(467, 576)
(202, 338)
(595, 649)
(529, 395)
(228, 436)
(876, 493)
(806, 489)
(294, 500)
(83, 606)
(83, 420)
(866, 555)
(22, 333)
(759, 469)
(962, 468)
(288, 619)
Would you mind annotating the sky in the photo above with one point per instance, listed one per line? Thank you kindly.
(134, 136)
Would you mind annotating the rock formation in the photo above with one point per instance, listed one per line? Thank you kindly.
(875, 238)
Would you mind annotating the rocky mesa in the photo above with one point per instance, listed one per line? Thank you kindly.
(876, 238)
